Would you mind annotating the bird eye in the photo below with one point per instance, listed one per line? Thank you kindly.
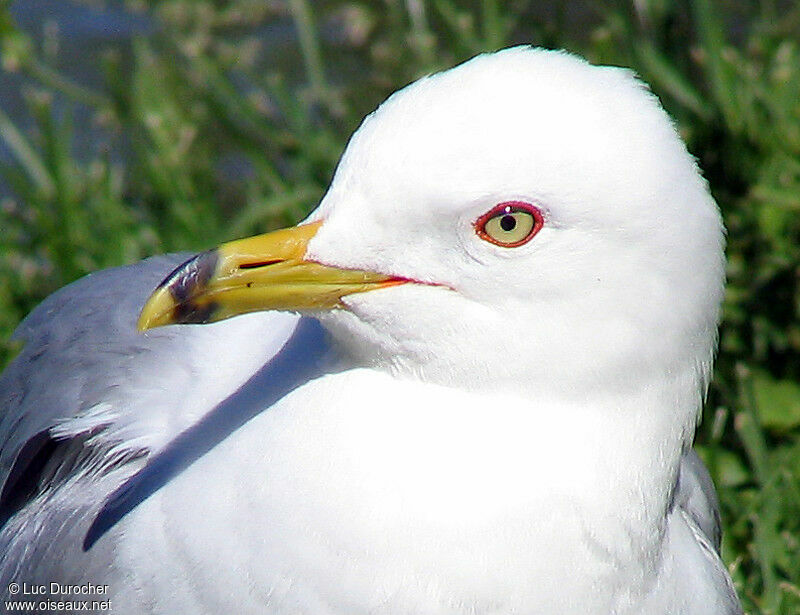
(509, 224)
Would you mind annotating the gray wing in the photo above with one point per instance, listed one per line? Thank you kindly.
(695, 502)
(74, 343)
(95, 416)
(696, 495)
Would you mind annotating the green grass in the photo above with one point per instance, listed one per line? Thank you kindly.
(202, 93)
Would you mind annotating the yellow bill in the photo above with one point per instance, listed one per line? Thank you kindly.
(265, 272)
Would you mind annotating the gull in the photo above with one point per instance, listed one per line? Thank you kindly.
(468, 383)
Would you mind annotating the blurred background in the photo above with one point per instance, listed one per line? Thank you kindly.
(129, 128)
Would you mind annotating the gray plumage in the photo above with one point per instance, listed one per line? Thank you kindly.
(89, 401)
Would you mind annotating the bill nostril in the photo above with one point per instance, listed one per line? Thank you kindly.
(258, 264)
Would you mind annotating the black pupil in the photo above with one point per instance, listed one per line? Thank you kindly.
(508, 222)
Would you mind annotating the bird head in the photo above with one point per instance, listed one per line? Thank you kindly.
(525, 218)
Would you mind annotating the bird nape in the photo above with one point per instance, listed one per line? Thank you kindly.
(468, 383)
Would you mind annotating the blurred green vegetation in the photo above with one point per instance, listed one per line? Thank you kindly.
(209, 132)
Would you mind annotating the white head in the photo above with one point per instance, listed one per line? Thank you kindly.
(613, 295)
(619, 289)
